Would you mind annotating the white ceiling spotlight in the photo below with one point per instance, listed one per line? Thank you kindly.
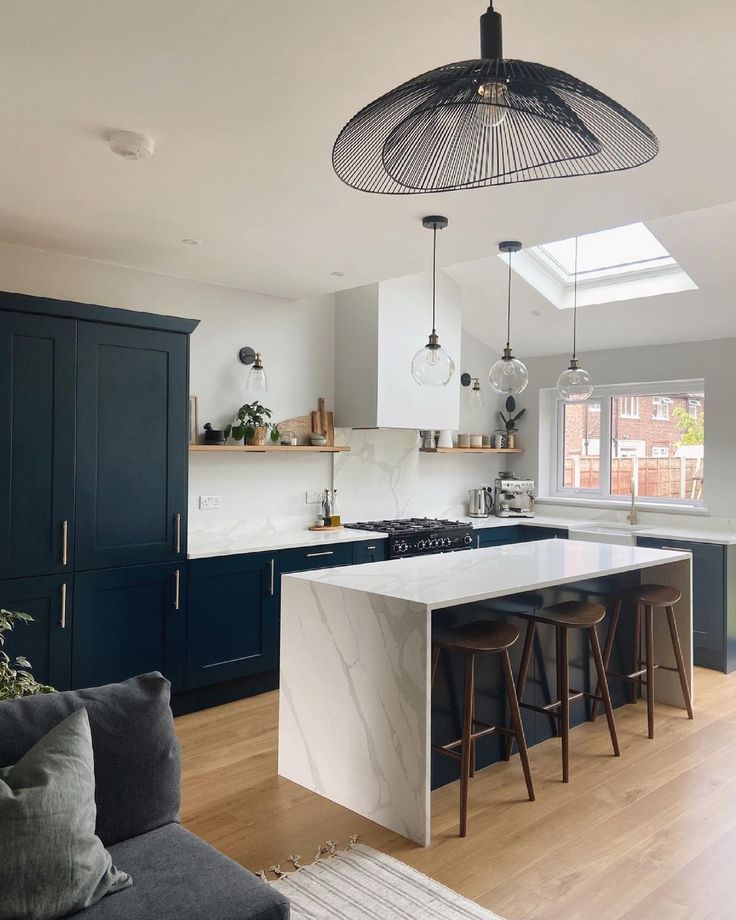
(131, 146)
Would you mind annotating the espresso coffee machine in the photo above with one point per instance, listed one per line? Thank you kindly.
(513, 497)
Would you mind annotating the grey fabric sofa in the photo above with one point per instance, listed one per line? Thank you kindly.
(176, 876)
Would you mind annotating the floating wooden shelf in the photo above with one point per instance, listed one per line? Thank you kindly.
(471, 450)
(266, 449)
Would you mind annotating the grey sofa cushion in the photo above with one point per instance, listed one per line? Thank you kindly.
(177, 876)
(137, 761)
(51, 860)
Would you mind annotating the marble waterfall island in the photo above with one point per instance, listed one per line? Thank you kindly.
(355, 708)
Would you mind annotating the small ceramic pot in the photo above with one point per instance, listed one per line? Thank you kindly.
(476, 440)
(486, 440)
(463, 440)
(259, 436)
(445, 438)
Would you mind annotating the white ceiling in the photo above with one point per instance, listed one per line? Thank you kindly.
(244, 99)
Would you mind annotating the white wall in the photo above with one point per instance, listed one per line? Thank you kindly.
(384, 476)
(714, 361)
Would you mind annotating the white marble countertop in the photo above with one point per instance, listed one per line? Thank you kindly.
(203, 545)
(451, 579)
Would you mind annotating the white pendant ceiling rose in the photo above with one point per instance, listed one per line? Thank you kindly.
(508, 375)
(432, 366)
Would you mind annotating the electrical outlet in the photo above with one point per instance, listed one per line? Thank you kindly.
(210, 502)
(314, 497)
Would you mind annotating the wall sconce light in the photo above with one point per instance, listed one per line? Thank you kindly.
(475, 395)
(257, 379)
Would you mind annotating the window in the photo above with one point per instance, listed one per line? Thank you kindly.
(661, 406)
(623, 263)
(651, 434)
(630, 407)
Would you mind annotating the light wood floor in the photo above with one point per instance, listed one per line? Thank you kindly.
(648, 836)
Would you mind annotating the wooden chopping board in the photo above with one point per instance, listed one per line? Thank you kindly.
(321, 421)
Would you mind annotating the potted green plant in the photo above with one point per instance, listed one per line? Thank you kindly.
(251, 423)
(15, 675)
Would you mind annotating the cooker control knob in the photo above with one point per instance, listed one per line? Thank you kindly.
(422, 544)
(467, 539)
(402, 547)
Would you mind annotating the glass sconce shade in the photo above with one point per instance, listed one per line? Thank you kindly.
(257, 379)
(432, 366)
(575, 384)
(508, 375)
(476, 395)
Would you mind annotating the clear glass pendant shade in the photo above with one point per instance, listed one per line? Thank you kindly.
(508, 375)
(432, 366)
(575, 384)
(257, 379)
(475, 398)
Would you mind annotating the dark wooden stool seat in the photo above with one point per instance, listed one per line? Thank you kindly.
(647, 598)
(480, 637)
(564, 616)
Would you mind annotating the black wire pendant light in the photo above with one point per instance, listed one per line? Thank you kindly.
(487, 122)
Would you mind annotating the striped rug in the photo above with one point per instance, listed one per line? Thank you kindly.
(362, 884)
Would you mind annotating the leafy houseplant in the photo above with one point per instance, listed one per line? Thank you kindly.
(252, 424)
(15, 676)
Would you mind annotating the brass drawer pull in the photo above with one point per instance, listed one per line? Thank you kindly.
(329, 552)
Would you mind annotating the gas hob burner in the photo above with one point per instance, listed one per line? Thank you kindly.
(420, 536)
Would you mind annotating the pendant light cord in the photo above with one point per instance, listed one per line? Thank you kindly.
(434, 279)
(508, 309)
(575, 306)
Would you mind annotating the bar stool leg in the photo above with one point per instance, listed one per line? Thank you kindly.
(466, 741)
(636, 687)
(607, 651)
(649, 644)
(517, 724)
(564, 678)
(603, 684)
(526, 657)
(435, 660)
(677, 648)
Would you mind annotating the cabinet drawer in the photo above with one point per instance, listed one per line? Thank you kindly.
(369, 551)
(496, 536)
(529, 534)
(315, 557)
(709, 601)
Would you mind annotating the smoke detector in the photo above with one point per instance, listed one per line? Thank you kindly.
(131, 146)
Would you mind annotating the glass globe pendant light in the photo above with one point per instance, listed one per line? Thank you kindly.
(575, 384)
(432, 366)
(508, 375)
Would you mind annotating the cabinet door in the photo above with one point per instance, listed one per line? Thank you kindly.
(709, 601)
(129, 621)
(132, 447)
(47, 641)
(496, 536)
(232, 619)
(369, 551)
(37, 384)
(530, 534)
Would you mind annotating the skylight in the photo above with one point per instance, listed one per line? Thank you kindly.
(624, 263)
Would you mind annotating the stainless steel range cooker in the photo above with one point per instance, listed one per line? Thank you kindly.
(420, 536)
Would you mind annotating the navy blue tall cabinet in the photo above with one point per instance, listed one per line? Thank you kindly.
(93, 488)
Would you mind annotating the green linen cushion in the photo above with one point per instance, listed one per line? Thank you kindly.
(51, 861)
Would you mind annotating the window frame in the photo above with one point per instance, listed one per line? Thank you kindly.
(552, 461)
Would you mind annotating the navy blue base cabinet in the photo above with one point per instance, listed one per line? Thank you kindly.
(47, 641)
(714, 611)
(232, 626)
(129, 621)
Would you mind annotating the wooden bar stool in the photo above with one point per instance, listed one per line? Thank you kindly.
(565, 616)
(647, 598)
(481, 636)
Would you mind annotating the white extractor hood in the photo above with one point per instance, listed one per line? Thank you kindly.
(378, 330)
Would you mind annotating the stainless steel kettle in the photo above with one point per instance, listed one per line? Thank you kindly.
(480, 502)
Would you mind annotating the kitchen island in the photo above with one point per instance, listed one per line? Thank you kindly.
(355, 716)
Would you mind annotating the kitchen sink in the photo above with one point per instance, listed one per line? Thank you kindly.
(622, 534)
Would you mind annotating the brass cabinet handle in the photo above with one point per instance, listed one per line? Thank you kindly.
(177, 524)
(62, 622)
(329, 552)
(65, 542)
(177, 585)
(271, 588)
